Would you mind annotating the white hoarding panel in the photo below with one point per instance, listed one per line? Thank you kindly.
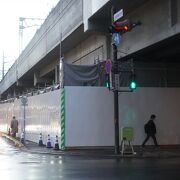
(89, 117)
(135, 110)
(42, 116)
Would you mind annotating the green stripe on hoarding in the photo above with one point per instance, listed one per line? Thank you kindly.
(62, 119)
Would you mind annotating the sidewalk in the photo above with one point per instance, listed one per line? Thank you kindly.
(147, 152)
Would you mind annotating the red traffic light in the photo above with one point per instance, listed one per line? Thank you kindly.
(121, 28)
(122, 25)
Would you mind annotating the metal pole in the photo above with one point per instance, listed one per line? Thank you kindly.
(116, 101)
(61, 73)
(116, 107)
(24, 101)
(61, 66)
(3, 66)
(24, 124)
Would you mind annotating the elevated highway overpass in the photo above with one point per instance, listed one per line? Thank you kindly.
(82, 28)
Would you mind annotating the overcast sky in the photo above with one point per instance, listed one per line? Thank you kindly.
(10, 11)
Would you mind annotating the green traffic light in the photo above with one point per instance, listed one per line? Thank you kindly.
(132, 85)
(107, 84)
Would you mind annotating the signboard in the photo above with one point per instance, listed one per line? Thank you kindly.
(24, 100)
(118, 15)
(116, 38)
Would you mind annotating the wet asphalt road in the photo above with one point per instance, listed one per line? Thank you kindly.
(16, 165)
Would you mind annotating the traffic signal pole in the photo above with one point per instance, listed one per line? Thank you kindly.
(117, 28)
(116, 107)
(116, 101)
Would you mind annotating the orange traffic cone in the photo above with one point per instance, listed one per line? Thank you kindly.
(40, 140)
(56, 147)
(49, 142)
(22, 137)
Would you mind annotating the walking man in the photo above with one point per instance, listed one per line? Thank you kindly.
(14, 126)
(150, 130)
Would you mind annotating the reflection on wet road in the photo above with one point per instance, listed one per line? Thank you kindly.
(16, 165)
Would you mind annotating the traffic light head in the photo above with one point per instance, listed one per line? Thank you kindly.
(107, 81)
(132, 85)
(122, 26)
(107, 84)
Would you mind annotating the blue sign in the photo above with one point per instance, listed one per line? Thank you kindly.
(116, 39)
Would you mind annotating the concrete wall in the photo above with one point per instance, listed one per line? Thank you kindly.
(90, 51)
(89, 8)
(9, 78)
(160, 20)
(156, 18)
(155, 74)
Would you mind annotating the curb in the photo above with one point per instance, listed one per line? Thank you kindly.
(114, 156)
(62, 153)
(14, 140)
(138, 155)
(24, 148)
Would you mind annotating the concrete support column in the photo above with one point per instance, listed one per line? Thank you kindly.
(40, 80)
(36, 76)
(57, 74)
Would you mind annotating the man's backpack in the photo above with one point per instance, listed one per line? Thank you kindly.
(146, 128)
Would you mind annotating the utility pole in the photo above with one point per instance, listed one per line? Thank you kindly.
(116, 101)
(3, 65)
(61, 66)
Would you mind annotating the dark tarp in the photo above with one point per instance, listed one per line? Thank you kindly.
(95, 75)
(84, 75)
